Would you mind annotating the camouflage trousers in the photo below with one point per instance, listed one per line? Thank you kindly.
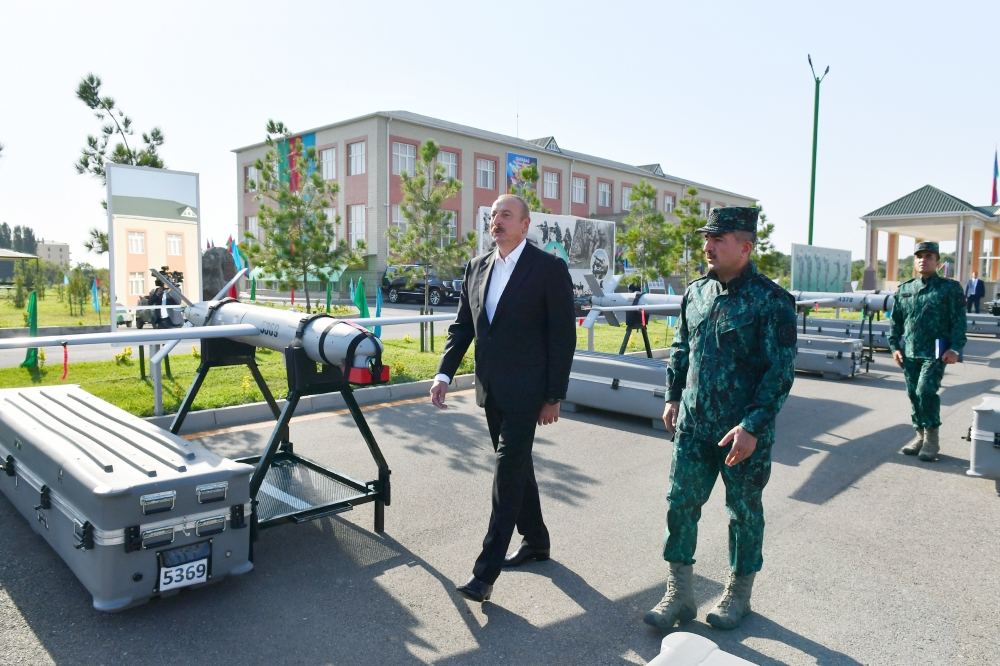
(923, 379)
(696, 465)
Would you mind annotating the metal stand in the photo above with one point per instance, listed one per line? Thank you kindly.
(286, 487)
(634, 322)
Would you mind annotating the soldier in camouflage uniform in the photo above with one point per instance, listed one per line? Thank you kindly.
(927, 333)
(731, 368)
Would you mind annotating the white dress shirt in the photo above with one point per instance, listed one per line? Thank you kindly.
(503, 268)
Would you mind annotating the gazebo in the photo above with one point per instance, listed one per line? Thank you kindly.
(932, 215)
(12, 256)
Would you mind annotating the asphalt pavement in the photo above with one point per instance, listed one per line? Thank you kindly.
(870, 557)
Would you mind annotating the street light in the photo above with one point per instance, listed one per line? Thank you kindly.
(812, 184)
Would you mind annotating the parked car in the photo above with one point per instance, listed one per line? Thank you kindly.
(122, 315)
(401, 282)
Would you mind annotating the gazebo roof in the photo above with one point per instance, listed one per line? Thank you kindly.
(11, 254)
(929, 200)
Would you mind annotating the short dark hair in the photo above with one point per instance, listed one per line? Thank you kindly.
(525, 209)
(746, 236)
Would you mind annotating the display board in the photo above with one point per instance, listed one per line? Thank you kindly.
(820, 268)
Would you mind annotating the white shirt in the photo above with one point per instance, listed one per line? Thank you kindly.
(503, 268)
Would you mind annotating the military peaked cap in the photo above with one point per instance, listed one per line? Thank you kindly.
(733, 218)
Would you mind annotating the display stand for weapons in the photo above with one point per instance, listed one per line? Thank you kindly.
(286, 487)
(634, 321)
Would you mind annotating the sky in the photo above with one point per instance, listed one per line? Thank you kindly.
(717, 92)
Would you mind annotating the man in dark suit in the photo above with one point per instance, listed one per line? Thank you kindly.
(517, 304)
(975, 289)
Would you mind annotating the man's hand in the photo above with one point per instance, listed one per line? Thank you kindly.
(949, 357)
(744, 444)
(438, 390)
(897, 356)
(549, 414)
(670, 411)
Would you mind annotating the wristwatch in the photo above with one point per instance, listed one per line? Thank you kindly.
(553, 401)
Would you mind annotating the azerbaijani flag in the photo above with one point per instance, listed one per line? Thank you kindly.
(996, 174)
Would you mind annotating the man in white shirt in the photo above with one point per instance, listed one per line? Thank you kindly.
(517, 305)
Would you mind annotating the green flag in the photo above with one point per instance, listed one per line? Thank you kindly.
(329, 295)
(253, 289)
(359, 299)
(31, 357)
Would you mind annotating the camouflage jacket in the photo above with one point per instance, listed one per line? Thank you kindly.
(733, 357)
(924, 310)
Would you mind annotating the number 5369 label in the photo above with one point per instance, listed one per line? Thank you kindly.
(182, 575)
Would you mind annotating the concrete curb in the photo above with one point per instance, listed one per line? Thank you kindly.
(54, 330)
(226, 417)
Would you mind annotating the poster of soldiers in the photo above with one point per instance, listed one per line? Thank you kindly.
(586, 245)
(820, 268)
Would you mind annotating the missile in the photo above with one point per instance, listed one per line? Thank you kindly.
(850, 300)
(607, 303)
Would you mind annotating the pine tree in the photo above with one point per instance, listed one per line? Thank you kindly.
(299, 235)
(527, 188)
(689, 220)
(648, 243)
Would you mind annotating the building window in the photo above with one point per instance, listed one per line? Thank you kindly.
(356, 158)
(449, 161)
(452, 232)
(668, 203)
(136, 242)
(252, 228)
(604, 195)
(355, 224)
(486, 174)
(328, 163)
(404, 158)
(398, 221)
(251, 179)
(137, 284)
(550, 183)
(175, 245)
(626, 197)
(579, 190)
(703, 208)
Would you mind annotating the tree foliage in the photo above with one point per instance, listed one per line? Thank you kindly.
(526, 187)
(427, 240)
(299, 235)
(689, 220)
(648, 243)
(769, 260)
(113, 122)
(97, 241)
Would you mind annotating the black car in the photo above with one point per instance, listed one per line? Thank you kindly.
(401, 282)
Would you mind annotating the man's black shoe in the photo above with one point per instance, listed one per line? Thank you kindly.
(476, 590)
(525, 553)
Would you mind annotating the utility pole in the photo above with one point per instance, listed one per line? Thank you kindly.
(812, 183)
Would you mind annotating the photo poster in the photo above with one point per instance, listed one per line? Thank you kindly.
(515, 163)
(820, 269)
(154, 220)
(587, 246)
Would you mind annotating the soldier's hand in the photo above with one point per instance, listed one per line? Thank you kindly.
(744, 444)
(670, 411)
(438, 391)
(949, 357)
(897, 356)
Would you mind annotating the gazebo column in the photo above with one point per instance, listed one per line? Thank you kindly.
(892, 258)
(870, 278)
(995, 264)
(961, 252)
(977, 251)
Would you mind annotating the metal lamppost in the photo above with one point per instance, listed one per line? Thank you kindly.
(812, 183)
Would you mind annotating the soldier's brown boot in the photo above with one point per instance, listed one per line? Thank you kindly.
(677, 605)
(931, 447)
(734, 604)
(913, 448)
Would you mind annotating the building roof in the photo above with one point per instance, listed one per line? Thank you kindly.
(11, 254)
(547, 143)
(158, 208)
(929, 200)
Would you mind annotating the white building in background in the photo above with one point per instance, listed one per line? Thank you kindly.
(53, 252)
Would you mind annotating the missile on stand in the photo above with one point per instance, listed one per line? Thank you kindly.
(323, 339)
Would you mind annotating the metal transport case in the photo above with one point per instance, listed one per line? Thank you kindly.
(831, 357)
(133, 510)
(984, 440)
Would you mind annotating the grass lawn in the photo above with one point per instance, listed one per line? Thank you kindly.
(51, 312)
(118, 381)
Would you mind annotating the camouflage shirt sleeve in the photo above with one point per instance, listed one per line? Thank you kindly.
(779, 347)
(897, 320)
(956, 303)
(677, 366)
